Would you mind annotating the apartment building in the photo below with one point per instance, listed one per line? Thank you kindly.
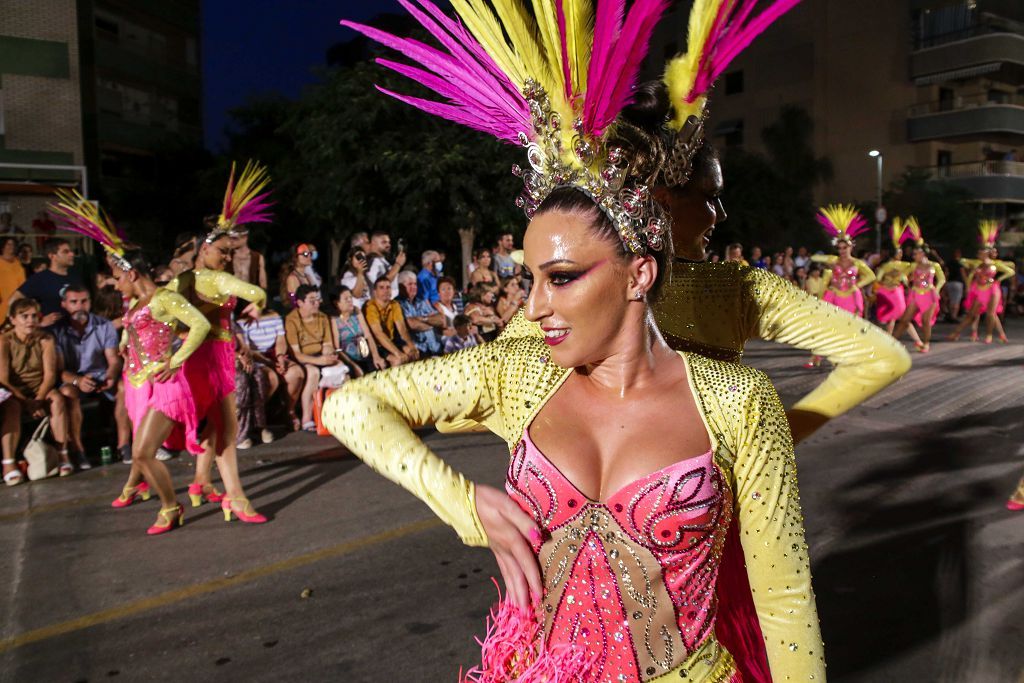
(91, 92)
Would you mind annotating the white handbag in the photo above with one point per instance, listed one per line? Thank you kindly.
(43, 458)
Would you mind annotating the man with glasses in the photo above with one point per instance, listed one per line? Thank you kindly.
(47, 286)
(312, 343)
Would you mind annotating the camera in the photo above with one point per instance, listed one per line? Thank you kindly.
(400, 245)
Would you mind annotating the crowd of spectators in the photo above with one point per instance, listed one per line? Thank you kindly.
(59, 346)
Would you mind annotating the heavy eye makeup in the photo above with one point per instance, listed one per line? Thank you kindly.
(564, 275)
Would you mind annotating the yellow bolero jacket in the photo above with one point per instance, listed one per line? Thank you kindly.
(505, 383)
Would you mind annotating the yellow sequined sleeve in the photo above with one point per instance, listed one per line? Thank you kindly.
(166, 306)
(902, 267)
(940, 277)
(772, 536)
(866, 359)
(1006, 270)
(214, 283)
(972, 266)
(825, 260)
(375, 416)
(865, 275)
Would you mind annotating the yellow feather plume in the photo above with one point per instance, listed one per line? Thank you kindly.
(579, 30)
(681, 71)
(898, 226)
(989, 230)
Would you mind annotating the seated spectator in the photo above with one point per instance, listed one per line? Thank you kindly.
(426, 281)
(354, 336)
(45, 286)
(424, 322)
(481, 272)
(387, 323)
(355, 280)
(12, 273)
(295, 274)
(815, 283)
(480, 309)
(28, 370)
(446, 304)
(265, 338)
(312, 344)
(510, 299)
(90, 366)
(466, 335)
(7, 226)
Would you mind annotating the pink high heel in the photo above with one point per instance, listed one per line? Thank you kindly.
(1014, 505)
(248, 513)
(129, 493)
(173, 516)
(197, 492)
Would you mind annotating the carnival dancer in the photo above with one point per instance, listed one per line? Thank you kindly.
(157, 396)
(926, 281)
(984, 291)
(596, 246)
(846, 275)
(891, 278)
(211, 369)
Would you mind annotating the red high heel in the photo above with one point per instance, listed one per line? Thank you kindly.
(1014, 505)
(129, 493)
(248, 513)
(197, 492)
(174, 517)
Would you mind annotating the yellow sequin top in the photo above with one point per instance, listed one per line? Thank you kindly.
(994, 271)
(861, 270)
(714, 308)
(505, 383)
(147, 345)
(893, 274)
(213, 292)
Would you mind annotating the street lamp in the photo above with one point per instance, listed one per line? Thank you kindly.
(879, 210)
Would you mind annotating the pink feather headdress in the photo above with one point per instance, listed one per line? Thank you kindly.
(842, 222)
(556, 79)
(78, 214)
(988, 232)
(245, 201)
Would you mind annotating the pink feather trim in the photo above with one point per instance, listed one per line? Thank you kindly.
(730, 34)
(513, 650)
(618, 51)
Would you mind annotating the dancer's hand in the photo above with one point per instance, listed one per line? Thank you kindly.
(252, 312)
(512, 534)
(166, 372)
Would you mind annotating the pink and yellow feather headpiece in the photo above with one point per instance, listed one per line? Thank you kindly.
(841, 222)
(246, 200)
(988, 232)
(78, 214)
(555, 81)
(914, 232)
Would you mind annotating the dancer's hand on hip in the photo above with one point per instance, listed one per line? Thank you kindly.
(511, 534)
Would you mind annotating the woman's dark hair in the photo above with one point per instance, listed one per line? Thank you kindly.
(356, 251)
(649, 111)
(476, 294)
(447, 280)
(5, 240)
(571, 200)
(23, 304)
(138, 262)
(109, 303)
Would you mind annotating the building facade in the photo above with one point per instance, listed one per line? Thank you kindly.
(930, 84)
(92, 92)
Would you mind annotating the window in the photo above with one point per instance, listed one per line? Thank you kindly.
(734, 82)
(945, 158)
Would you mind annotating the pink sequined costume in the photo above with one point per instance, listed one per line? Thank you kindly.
(984, 279)
(890, 298)
(148, 334)
(924, 291)
(211, 369)
(634, 576)
(843, 283)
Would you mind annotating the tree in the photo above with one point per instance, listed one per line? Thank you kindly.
(367, 161)
(947, 214)
(770, 198)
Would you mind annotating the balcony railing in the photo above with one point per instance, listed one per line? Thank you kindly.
(968, 101)
(987, 25)
(978, 169)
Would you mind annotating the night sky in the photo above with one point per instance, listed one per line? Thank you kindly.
(254, 47)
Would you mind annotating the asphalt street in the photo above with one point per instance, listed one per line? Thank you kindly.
(918, 568)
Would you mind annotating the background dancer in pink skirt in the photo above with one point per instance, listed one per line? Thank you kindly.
(926, 281)
(845, 275)
(890, 298)
(157, 396)
(984, 294)
(211, 369)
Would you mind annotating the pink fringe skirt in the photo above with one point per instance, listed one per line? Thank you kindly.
(211, 374)
(854, 303)
(985, 296)
(924, 301)
(173, 399)
(890, 304)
